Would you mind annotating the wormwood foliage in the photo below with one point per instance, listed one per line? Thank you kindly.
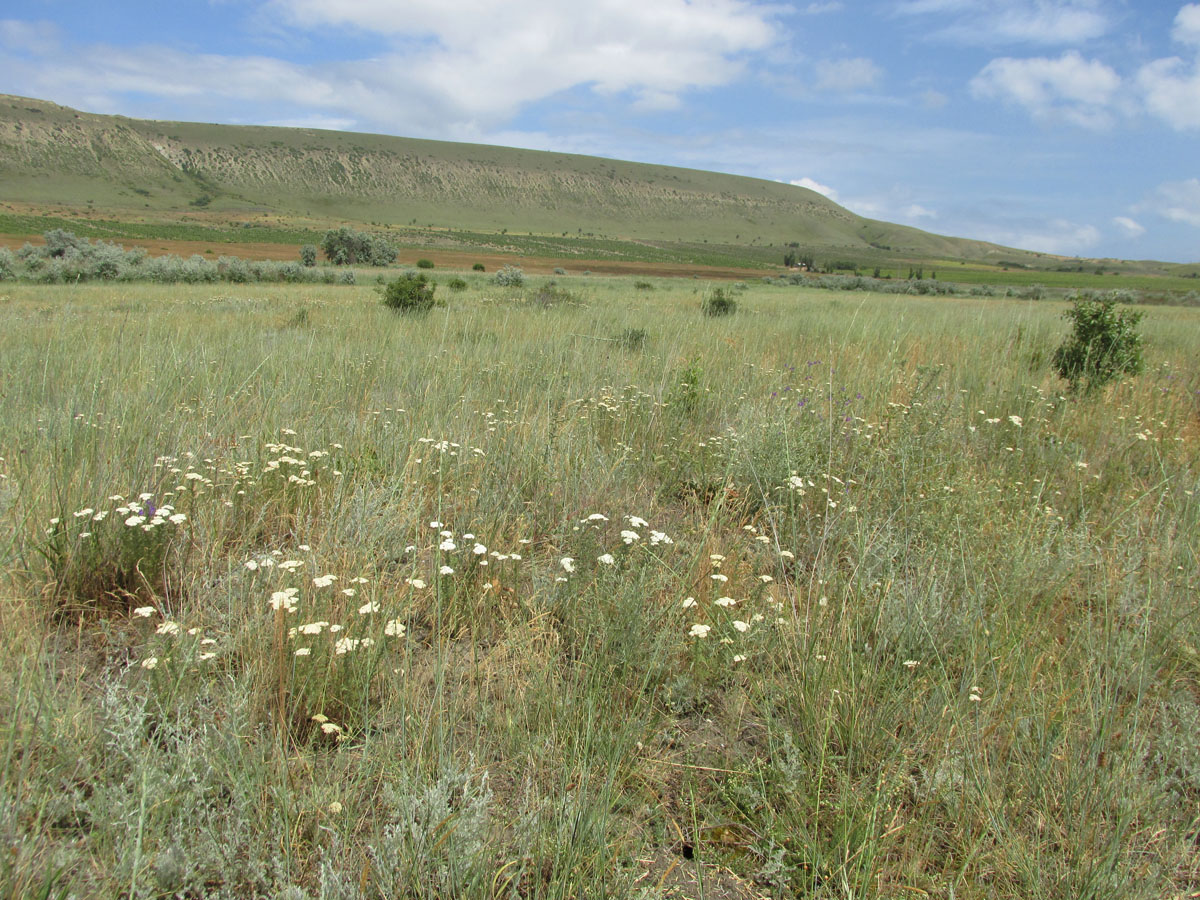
(842, 598)
(1104, 344)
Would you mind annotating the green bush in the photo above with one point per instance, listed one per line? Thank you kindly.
(424, 263)
(411, 292)
(457, 284)
(1103, 345)
(308, 255)
(633, 338)
(718, 303)
(478, 267)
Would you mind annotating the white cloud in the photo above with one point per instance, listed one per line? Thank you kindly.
(816, 9)
(1170, 87)
(482, 61)
(1176, 201)
(1070, 87)
(1187, 25)
(1057, 236)
(994, 22)
(454, 69)
(823, 189)
(917, 211)
(32, 37)
(1171, 91)
(932, 99)
(1129, 226)
(846, 75)
(317, 122)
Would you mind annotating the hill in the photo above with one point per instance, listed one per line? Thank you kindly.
(56, 157)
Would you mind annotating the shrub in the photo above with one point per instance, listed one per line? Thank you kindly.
(478, 267)
(59, 242)
(510, 276)
(411, 292)
(559, 270)
(643, 286)
(718, 303)
(345, 247)
(424, 263)
(308, 255)
(633, 338)
(1103, 344)
(457, 284)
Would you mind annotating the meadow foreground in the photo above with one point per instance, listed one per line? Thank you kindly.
(575, 592)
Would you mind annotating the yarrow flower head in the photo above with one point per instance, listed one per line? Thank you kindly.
(699, 631)
(285, 600)
(606, 559)
(568, 564)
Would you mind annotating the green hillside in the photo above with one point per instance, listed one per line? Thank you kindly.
(55, 156)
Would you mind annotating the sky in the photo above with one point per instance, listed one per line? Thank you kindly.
(1066, 127)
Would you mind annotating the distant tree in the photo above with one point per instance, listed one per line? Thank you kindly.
(308, 255)
(347, 247)
(789, 259)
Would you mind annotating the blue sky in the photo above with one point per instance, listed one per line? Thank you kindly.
(1066, 127)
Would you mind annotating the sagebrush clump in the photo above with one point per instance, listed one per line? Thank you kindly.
(510, 276)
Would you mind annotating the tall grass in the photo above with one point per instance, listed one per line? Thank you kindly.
(837, 597)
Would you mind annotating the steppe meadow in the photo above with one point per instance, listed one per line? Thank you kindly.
(573, 591)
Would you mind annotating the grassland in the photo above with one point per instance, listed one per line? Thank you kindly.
(55, 160)
(577, 593)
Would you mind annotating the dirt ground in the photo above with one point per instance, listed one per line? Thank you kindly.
(443, 259)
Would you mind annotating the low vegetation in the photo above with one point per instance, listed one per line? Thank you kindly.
(65, 258)
(1104, 344)
(840, 596)
(411, 292)
(347, 247)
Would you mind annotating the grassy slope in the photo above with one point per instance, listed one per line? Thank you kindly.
(155, 168)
